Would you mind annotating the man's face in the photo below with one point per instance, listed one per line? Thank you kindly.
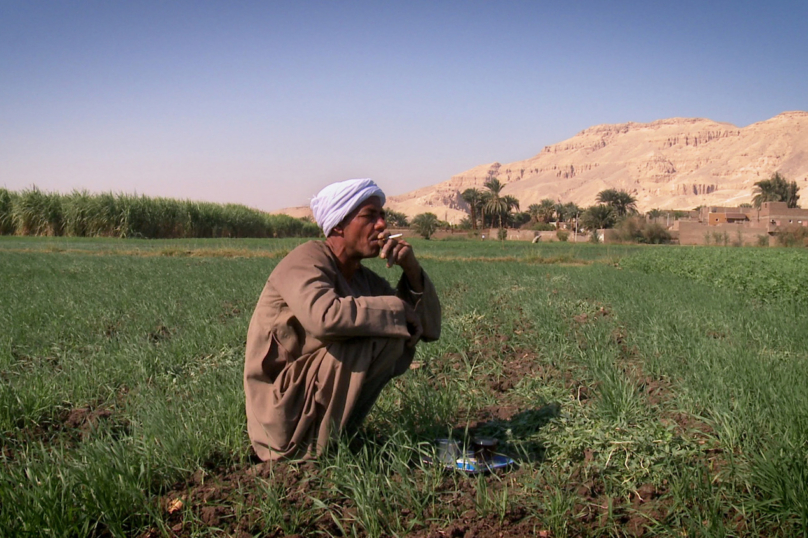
(361, 229)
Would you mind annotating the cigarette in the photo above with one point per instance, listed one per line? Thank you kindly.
(385, 239)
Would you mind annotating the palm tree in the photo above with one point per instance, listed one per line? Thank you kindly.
(561, 212)
(599, 216)
(511, 203)
(547, 210)
(655, 213)
(570, 212)
(481, 209)
(534, 210)
(395, 219)
(495, 204)
(472, 197)
(425, 224)
(622, 202)
(776, 189)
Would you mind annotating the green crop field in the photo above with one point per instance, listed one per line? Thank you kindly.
(642, 391)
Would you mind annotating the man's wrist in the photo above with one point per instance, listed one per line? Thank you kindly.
(415, 276)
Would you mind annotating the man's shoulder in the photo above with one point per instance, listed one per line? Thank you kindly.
(306, 256)
(308, 250)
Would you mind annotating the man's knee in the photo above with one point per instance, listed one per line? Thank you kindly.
(369, 355)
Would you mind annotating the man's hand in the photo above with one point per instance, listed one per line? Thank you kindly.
(413, 324)
(399, 252)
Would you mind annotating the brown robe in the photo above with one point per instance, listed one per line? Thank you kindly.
(320, 349)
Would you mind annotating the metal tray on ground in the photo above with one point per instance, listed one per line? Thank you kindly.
(454, 457)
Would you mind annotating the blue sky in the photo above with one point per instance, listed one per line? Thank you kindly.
(264, 103)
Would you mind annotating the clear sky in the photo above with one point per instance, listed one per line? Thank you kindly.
(263, 103)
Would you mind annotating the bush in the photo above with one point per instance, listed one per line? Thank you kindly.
(518, 220)
(562, 235)
(629, 230)
(543, 227)
(721, 238)
(792, 236)
(763, 240)
(655, 234)
(738, 241)
(637, 230)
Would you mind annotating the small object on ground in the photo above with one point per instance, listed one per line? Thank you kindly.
(174, 505)
(484, 448)
(478, 458)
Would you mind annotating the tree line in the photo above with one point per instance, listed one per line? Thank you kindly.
(614, 209)
(81, 214)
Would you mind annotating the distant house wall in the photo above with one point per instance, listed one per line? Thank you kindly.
(697, 233)
(779, 214)
(530, 235)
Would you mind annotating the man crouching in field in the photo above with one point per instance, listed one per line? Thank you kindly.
(328, 334)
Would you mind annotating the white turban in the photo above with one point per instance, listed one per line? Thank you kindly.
(332, 204)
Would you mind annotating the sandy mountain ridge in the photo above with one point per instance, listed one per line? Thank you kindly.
(676, 163)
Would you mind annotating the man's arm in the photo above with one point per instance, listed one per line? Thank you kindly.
(415, 287)
(398, 252)
(306, 279)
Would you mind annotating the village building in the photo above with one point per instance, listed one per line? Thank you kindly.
(737, 225)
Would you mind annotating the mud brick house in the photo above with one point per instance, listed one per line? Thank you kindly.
(738, 225)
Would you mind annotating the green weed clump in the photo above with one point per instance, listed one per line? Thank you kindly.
(81, 214)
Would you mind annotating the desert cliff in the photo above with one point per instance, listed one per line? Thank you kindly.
(676, 163)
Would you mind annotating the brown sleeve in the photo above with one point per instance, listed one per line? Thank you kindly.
(306, 279)
(426, 304)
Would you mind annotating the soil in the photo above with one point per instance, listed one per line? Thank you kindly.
(212, 499)
(159, 334)
(68, 428)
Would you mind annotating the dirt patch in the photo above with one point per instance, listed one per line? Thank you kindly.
(229, 311)
(159, 334)
(520, 364)
(585, 317)
(593, 508)
(67, 427)
(234, 501)
(80, 423)
(85, 418)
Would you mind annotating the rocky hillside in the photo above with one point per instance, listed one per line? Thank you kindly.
(677, 163)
